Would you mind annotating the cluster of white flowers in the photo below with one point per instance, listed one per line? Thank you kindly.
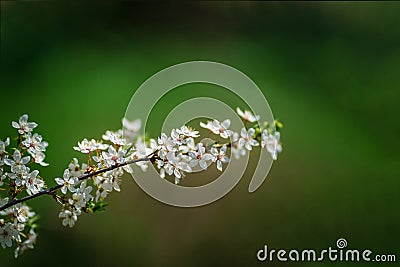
(27, 149)
(248, 138)
(12, 229)
(115, 149)
(84, 186)
(32, 142)
(178, 153)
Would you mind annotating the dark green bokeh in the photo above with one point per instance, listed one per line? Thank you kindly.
(330, 72)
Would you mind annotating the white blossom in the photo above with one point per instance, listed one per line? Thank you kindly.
(27, 244)
(19, 175)
(188, 132)
(3, 145)
(113, 179)
(69, 216)
(101, 162)
(219, 157)
(177, 138)
(143, 151)
(113, 157)
(115, 138)
(8, 212)
(7, 233)
(18, 162)
(160, 165)
(247, 115)
(271, 142)
(166, 144)
(199, 157)
(24, 126)
(176, 164)
(237, 149)
(207, 125)
(38, 157)
(67, 182)
(86, 146)
(85, 191)
(81, 196)
(22, 213)
(217, 127)
(34, 143)
(33, 184)
(175, 155)
(131, 128)
(19, 227)
(189, 146)
(76, 170)
(246, 139)
(104, 186)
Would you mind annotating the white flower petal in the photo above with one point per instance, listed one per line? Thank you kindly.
(203, 164)
(25, 160)
(226, 123)
(219, 165)
(32, 125)
(223, 149)
(251, 132)
(207, 157)
(17, 155)
(243, 132)
(225, 159)
(71, 188)
(193, 163)
(64, 189)
(240, 112)
(177, 173)
(248, 146)
(23, 118)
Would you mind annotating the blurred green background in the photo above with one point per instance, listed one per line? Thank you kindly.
(330, 72)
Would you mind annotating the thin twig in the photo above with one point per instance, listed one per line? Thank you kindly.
(50, 190)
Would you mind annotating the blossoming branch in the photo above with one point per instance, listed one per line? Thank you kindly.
(83, 187)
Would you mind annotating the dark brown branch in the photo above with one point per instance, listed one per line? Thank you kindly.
(50, 190)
